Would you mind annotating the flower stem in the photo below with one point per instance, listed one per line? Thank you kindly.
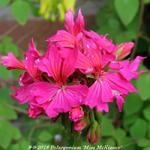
(98, 116)
(92, 117)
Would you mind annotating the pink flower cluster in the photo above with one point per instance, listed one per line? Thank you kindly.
(80, 68)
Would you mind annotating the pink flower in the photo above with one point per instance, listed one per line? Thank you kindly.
(22, 94)
(105, 45)
(35, 111)
(74, 27)
(76, 114)
(94, 55)
(80, 125)
(99, 95)
(30, 58)
(27, 64)
(57, 67)
(69, 39)
(60, 99)
(25, 79)
(120, 102)
(129, 68)
(124, 49)
(63, 39)
(102, 91)
(80, 69)
(11, 62)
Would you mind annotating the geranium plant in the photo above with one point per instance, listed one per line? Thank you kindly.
(80, 73)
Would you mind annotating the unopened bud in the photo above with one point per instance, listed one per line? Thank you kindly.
(94, 133)
(76, 114)
(80, 125)
(123, 50)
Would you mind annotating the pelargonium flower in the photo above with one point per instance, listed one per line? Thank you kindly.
(80, 70)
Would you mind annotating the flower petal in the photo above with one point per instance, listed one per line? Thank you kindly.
(11, 62)
(30, 58)
(69, 21)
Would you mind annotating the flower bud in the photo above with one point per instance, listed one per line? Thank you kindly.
(34, 112)
(123, 50)
(80, 125)
(94, 133)
(76, 114)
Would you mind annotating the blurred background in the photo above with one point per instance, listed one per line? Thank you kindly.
(121, 20)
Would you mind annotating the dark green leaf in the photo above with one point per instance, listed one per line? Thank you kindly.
(107, 127)
(119, 135)
(146, 113)
(128, 120)
(148, 130)
(138, 129)
(24, 145)
(126, 10)
(146, 1)
(45, 136)
(143, 142)
(110, 142)
(147, 148)
(132, 100)
(143, 84)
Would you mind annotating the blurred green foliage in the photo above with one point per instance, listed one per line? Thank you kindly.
(130, 130)
(49, 9)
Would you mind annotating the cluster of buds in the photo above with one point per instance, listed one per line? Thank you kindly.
(80, 69)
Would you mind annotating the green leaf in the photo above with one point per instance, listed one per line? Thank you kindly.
(146, 113)
(132, 100)
(138, 129)
(146, 1)
(148, 133)
(7, 45)
(110, 142)
(16, 133)
(20, 11)
(4, 73)
(4, 96)
(24, 145)
(126, 10)
(119, 135)
(4, 2)
(5, 134)
(7, 113)
(143, 86)
(14, 147)
(45, 136)
(128, 120)
(147, 148)
(143, 142)
(107, 127)
(126, 143)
